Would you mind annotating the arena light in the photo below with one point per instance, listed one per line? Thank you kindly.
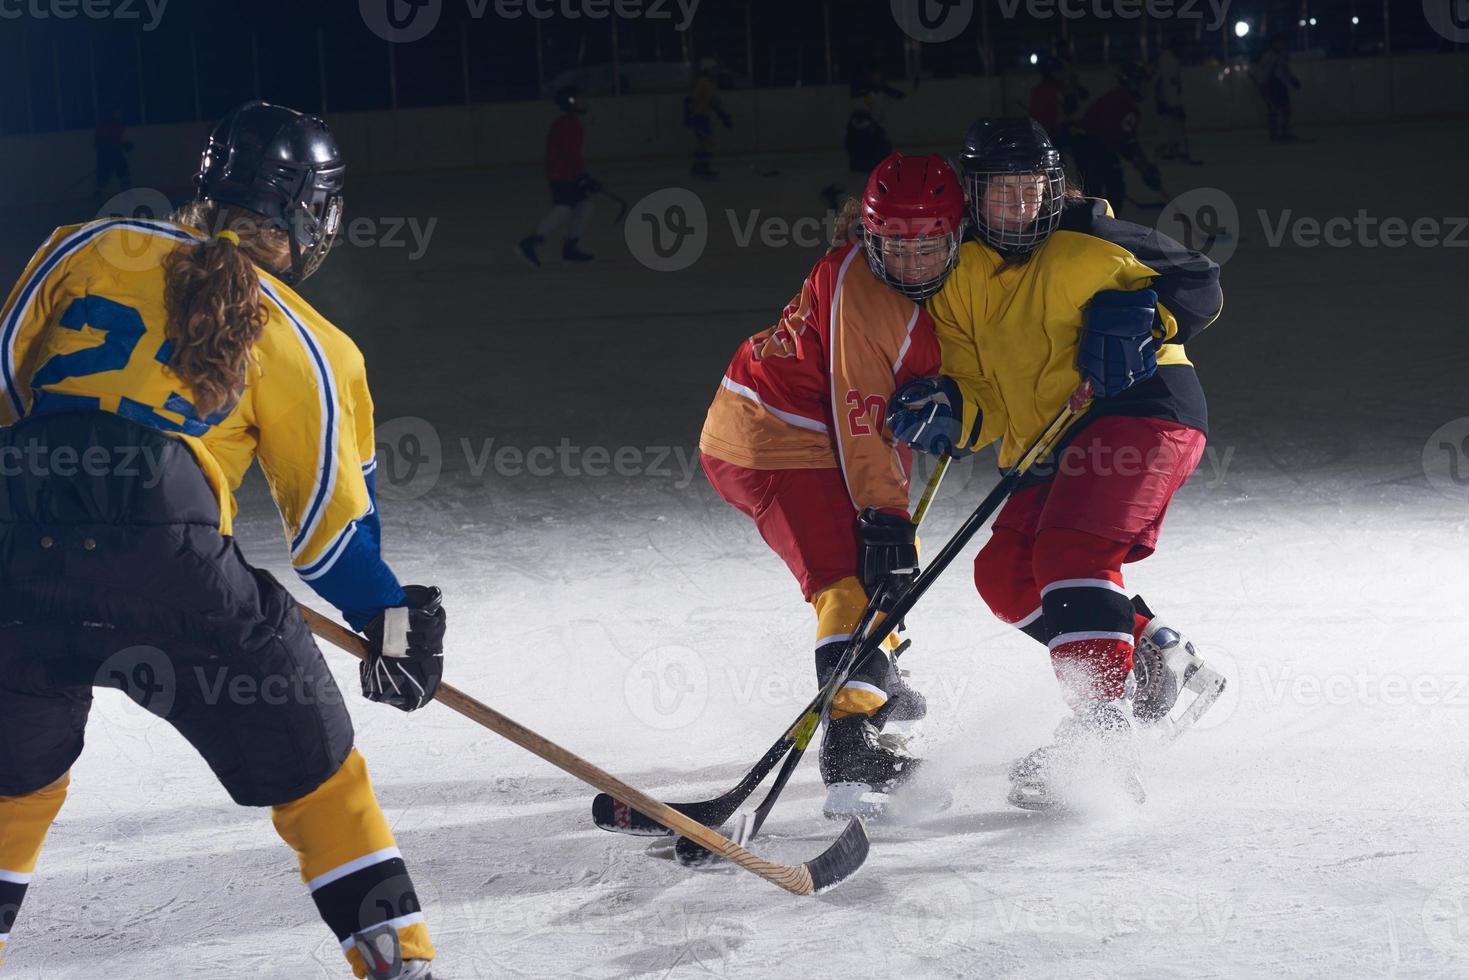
(1035, 59)
(1241, 28)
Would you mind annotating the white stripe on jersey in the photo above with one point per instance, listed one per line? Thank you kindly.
(831, 365)
(800, 421)
(326, 478)
(1090, 635)
(14, 877)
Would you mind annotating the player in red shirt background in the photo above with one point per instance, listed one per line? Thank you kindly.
(571, 186)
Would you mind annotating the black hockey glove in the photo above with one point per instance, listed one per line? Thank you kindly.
(889, 556)
(405, 660)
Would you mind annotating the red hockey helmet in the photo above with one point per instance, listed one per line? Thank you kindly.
(912, 222)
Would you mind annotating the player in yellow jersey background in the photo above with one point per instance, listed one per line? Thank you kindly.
(144, 366)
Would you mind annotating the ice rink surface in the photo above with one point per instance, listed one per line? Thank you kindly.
(1315, 826)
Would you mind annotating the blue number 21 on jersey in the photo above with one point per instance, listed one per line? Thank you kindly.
(122, 328)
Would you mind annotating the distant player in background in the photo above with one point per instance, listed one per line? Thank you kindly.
(1276, 82)
(795, 440)
(1108, 135)
(1051, 290)
(866, 142)
(571, 186)
(701, 105)
(112, 146)
(173, 372)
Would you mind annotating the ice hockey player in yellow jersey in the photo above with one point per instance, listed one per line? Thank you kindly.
(144, 366)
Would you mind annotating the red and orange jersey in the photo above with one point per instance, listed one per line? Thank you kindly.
(812, 391)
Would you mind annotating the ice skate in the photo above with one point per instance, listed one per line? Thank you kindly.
(862, 767)
(525, 250)
(1164, 666)
(382, 951)
(1094, 749)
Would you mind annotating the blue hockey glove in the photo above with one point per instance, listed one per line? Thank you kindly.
(927, 414)
(1117, 347)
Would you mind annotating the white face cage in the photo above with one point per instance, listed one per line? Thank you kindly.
(915, 267)
(1014, 212)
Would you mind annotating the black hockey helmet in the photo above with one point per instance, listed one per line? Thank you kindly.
(1016, 158)
(283, 165)
(568, 99)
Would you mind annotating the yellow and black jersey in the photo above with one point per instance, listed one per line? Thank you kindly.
(1009, 334)
(85, 330)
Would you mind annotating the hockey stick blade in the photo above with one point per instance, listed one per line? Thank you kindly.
(828, 869)
(616, 816)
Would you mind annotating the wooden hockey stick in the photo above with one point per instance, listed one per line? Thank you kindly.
(827, 870)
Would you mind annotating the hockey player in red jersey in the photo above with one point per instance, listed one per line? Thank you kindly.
(1108, 135)
(1051, 291)
(571, 186)
(795, 440)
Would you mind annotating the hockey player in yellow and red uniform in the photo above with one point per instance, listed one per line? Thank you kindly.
(144, 367)
(1050, 291)
(795, 440)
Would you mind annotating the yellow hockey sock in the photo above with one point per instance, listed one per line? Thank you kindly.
(24, 821)
(351, 863)
(839, 608)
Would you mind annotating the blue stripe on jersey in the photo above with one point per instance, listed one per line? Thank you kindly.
(76, 241)
(326, 480)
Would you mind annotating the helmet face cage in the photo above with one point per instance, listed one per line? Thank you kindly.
(880, 247)
(1029, 203)
(315, 224)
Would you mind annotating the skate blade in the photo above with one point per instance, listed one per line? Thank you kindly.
(1207, 684)
(847, 800)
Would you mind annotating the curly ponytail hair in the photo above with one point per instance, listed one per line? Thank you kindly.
(215, 316)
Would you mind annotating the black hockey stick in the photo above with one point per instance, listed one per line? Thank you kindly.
(611, 815)
(688, 851)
